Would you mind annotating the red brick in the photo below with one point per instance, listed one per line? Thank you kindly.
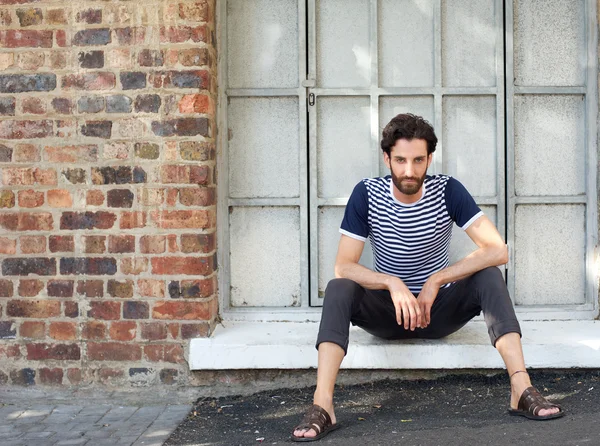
(94, 330)
(123, 331)
(114, 351)
(30, 198)
(53, 351)
(154, 353)
(26, 129)
(189, 331)
(202, 266)
(108, 375)
(63, 331)
(194, 12)
(60, 198)
(62, 38)
(154, 331)
(51, 376)
(71, 154)
(23, 221)
(26, 153)
(60, 288)
(197, 219)
(89, 81)
(134, 265)
(180, 34)
(121, 243)
(198, 288)
(40, 309)
(196, 103)
(62, 243)
(17, 176)
(172, 243)
(72, 309)
(33, 329)
(35, 106)
(174, 354)
(30, 287)
(94, 244)
(8, 246)
(184, 310)
(120, 288)
(90, 288)
(45, 177)
(6, 288)
(151, 288)
(204, 243)
(105, 310)
(56, 17)
(32, 244)
(87, 220)
(152, 244)
(10, 351)
(173, 330)
(21, 38)
(132, 220)
(94, 198)
(74, 376)
(33, 61)
(203, 196)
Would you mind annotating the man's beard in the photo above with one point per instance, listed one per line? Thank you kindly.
(408, 188)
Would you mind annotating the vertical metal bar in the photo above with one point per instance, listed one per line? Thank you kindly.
(223, 162)
(500, 135)
(313, 198)
(510, 146)
(592, 158)
(303, 158)
(438, 162)
(374, 114)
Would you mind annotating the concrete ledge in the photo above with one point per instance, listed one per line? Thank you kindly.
(290, 345)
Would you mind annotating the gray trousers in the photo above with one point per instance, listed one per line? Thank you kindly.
(347, 302)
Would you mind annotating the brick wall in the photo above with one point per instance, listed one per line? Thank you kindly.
(107, 193)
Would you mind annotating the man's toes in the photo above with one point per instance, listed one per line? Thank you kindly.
(308, 433)
(552, 411)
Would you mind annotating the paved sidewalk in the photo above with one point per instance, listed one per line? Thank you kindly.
(33, 417)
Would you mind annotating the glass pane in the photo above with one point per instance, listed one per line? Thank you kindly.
(344, 154)
(549, 254)
(549, 42)
(262, 43)
(265, 244)
(390, 106)
(461, 244)
(406, 52)
(263, 147)
(549, 145)
(343, 49)
(469, 43)
(330, 219)
(469, 134)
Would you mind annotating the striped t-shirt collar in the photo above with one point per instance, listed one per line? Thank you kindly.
(406, 204)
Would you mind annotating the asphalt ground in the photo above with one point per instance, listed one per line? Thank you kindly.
(465, 409)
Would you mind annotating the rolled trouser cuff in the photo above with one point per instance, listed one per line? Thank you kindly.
(326, 335)
(499, 329)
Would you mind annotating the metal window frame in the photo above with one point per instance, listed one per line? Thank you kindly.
(589, 309)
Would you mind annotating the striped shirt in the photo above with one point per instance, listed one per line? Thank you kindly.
(409, 241)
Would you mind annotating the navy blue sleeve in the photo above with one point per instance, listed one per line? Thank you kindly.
(355, 223)
(460, 204)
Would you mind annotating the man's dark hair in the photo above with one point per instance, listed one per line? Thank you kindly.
(408, 126)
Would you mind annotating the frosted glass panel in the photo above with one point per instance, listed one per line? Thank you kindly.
(344, 153)
(406, 47)
(263, 147)
(343, 49)
(390, 106)
(549, 42)
(469, 43)
(469, 133)
(549, 145)
(330, 219)
(461, 244)
(549, 254)
(265, 256)
(262, 43)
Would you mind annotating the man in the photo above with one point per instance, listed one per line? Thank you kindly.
(413, 292)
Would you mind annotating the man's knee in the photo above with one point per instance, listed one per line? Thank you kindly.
(341, 290)
(489, 276)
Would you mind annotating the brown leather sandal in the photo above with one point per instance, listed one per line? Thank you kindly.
(530, 404)
(318, 419)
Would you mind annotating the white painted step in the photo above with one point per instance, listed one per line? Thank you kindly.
(290, 345)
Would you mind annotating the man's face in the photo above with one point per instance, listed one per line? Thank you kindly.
(408, 162)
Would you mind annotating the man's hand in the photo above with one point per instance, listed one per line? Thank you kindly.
(408, 311)
(425, 300)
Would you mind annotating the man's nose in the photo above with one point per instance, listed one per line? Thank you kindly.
(409, 170)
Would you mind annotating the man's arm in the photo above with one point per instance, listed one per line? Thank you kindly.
(492, 251)
(347, 266)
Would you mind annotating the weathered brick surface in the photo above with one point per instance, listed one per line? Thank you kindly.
(107, 189)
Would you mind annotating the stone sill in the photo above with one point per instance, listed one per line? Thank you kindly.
(290, 345)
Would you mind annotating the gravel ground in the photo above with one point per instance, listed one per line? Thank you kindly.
(456, 409)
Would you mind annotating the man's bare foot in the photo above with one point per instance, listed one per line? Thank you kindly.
(327, 404)
(518, 383)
